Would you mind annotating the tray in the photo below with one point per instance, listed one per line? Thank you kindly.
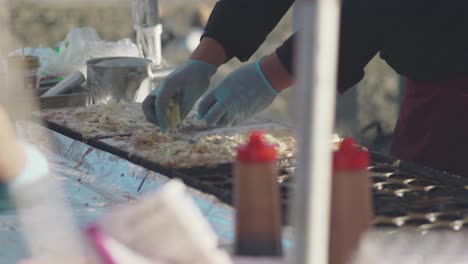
(78, 96)
(67, 100)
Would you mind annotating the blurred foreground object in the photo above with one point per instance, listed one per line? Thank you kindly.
(13, 160)
(47, 225)
(46, 220)
(23, 72)
(316, 72)
(351, 209)
(111, 251)
(165, 226)
(436, 247)
(258, 216)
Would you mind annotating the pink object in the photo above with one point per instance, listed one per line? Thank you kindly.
(98, 239)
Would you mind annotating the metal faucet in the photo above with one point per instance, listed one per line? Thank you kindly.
(147, 24)
(148, 27)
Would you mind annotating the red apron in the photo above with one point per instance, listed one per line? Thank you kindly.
(432, 129)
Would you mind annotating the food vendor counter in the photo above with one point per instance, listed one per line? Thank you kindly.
(97, 174)
(94, 181)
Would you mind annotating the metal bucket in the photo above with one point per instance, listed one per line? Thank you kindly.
(116, 79)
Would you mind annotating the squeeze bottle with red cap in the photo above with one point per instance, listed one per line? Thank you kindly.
(351, 210)
(258, 215)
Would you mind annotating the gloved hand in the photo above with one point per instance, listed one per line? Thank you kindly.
(238, 97)
(183, 87)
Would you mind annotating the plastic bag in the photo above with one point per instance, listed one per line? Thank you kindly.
(80, 45)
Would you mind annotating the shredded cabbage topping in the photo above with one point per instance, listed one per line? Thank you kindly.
(205, 151)
(173, 114)
(137, 136)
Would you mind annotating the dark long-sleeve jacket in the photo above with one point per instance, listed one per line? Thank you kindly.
(424, 40)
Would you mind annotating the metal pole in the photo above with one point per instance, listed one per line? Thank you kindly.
(152, 13)
(316, 69)
(153, 21)
(147, 23)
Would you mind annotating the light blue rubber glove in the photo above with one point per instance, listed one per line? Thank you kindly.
(238, 97)
(185, 85)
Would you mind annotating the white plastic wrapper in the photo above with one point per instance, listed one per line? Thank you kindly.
(80, 45)
(411, 247)
(165, 226)
(45, 216)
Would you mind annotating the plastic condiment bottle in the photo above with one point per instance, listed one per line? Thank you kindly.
(23, 72)
(351, 211)
(258, 215)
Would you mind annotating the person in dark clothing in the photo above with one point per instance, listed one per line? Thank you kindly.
(424, 40)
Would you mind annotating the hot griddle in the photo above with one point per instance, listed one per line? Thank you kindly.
(405, 195)
(191, 176)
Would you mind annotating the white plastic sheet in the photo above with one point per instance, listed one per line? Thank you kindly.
(80, 45)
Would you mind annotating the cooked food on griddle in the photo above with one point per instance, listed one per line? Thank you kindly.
(173, 114)
(100, 120)
(178, 149)
(142, 139)
(104, 120)
(205, 151)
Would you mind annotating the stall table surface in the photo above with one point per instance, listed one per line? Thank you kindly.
(97, 174)
(404, 194)
(94, 181)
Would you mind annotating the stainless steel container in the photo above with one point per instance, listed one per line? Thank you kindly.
(116, 79)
